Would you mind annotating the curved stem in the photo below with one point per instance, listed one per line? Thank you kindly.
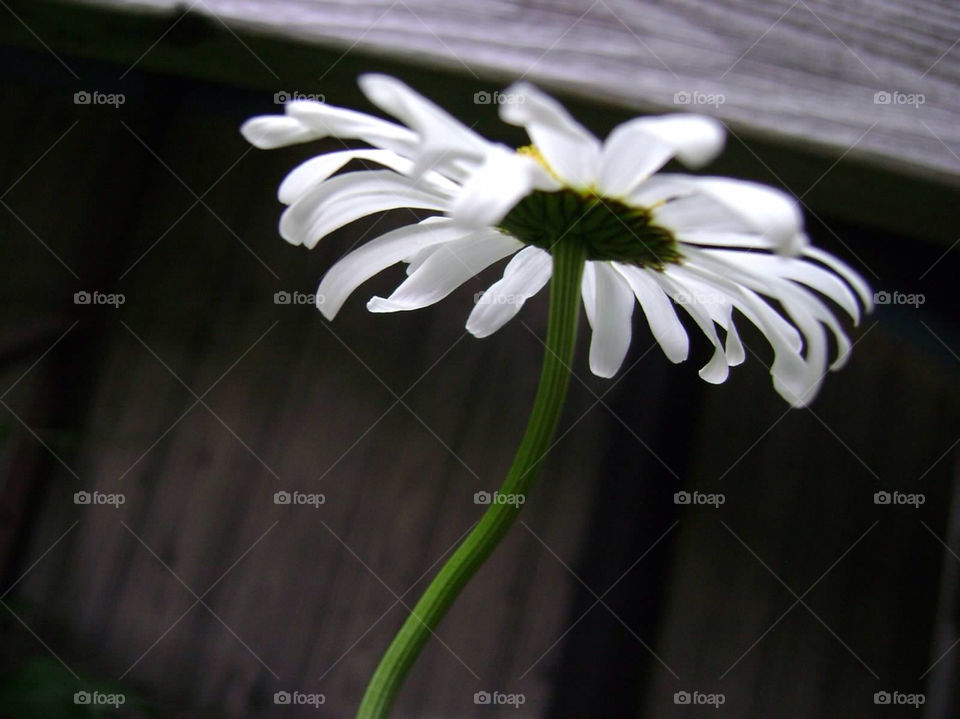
(569, 258)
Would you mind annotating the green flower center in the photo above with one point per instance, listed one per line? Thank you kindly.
(610, 229)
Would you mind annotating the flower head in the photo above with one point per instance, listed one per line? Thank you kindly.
(716, 247)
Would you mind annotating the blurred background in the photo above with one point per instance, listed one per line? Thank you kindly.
(163, 376)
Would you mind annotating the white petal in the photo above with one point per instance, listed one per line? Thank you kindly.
(708, 238)
(699, 213)
(795, 377)
(843, 342)
(271, 131)
(377, 255)
(568, 148)
(774, 214)
(346, 198)
(736, 355)
(588, 290)
(638, 148)
(311, 173)
(524, 276)
(723, 205)
(629, 156)
(740, 284)
(662, 318)
(423, 254)
(610, 319)
(440, 134)
(813, 304)
(330, 121)
(504, 179)
(446, 269)
(799, 271)
(716, 370)
(717, 302)
(660, 187)
(846, 272)
(732, 266)
(695, 139)
(801, 393)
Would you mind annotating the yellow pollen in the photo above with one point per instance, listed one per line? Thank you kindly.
(533, 152)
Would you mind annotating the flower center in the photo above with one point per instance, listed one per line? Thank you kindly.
(610, 229)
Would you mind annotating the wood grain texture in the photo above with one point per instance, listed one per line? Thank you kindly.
(295, 600)
(805, 72)
(199, 586)
(831, 183)
(814, 627)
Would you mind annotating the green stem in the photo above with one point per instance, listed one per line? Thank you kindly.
(569, 258)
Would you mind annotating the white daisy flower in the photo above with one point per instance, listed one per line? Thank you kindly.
(720, 249)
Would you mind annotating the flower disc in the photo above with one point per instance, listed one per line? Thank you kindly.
(611, 230)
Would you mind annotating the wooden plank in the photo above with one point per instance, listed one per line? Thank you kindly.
(804, 72)
(833, 184)
(299, 599)
(311, 592)
(800, 522)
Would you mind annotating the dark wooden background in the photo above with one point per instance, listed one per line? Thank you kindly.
(200, 397)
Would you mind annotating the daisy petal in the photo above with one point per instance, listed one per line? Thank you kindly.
(377, 255)
(772, 213)
(795, 378)
(662, 318)
(524, 276)
(567, 147)
(613, 309)
(588, 290)
(722, 205)
(740, 285)
(271, 131)
(439, 133)
(443, 271)
(845, 271)
(346, 198)
(800, 394)
(330, 121)
(717, 303)
(662, 187)
(638, 148)
(504, 178)
(708, 238)
(695, 139)
(717, 369)
(799, 271)
(311, 173)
